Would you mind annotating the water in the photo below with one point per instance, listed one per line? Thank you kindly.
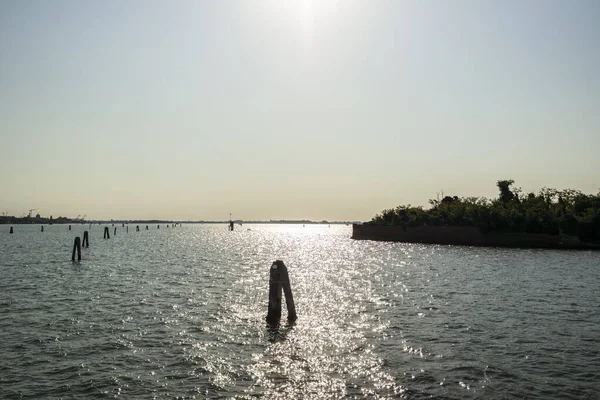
(179, 313)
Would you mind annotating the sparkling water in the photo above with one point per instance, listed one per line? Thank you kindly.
(180, 313)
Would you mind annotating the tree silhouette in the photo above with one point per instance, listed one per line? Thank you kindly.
(547, 212)
(505, 193)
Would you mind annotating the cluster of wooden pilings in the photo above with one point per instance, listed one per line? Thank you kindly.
(77, 245)
(107, 235)
(86, 241)
(279, 280)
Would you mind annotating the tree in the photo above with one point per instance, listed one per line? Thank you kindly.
(505, 193)
(513, 212)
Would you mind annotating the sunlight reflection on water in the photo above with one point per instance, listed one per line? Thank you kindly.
(181, 312)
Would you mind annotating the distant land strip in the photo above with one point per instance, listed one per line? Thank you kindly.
(64, 220)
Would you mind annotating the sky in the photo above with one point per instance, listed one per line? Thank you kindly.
(296, 109)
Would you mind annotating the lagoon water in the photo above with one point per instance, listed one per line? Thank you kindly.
(179, 313)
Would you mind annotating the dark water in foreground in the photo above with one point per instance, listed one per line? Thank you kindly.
(179, 313)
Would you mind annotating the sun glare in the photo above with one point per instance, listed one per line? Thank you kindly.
(305, 17)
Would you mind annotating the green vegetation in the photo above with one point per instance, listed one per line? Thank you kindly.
(549, 212)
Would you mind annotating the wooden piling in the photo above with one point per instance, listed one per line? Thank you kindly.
(279, 281)
(115, 231)
(76, 247)
(157, 226)
(275, 289)
(69, 227)
(42, 228)
(287, 291)
(11, 229)
(123, 226)
(146, 227)
(106, 233)
(137, 228)
(86, 239)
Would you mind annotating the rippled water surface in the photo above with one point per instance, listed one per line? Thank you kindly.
(179, 313)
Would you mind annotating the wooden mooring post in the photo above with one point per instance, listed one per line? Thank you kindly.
(11, 229)
(137, 228)
(146, 227)
(278, 280)
(115, 233)
(157, 226)
(69, 227)
(86, 239)
(42, 228)
(106, 233)
(76, 247)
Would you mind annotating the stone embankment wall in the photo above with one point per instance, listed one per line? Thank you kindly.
(456, 235)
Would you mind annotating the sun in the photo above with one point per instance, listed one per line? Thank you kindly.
(305, 17)
(308, 18)
(299, 15)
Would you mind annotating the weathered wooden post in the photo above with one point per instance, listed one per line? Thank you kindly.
(278, 280)
(86, 239)
(69, 227)
(137, 228)
(106, 233)
(115, 231)
(146, 227)
(11, 229)
(157, 226)
(42, 228)
(123, 226)
(275, 288)
(287, 291)
(76, 246)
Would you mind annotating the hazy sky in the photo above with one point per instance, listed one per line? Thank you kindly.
(291, 109)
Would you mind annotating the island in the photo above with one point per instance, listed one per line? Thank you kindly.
(561, 219)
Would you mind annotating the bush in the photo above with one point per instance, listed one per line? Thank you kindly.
(547, 212)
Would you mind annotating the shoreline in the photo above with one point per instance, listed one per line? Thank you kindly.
(468, 236)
